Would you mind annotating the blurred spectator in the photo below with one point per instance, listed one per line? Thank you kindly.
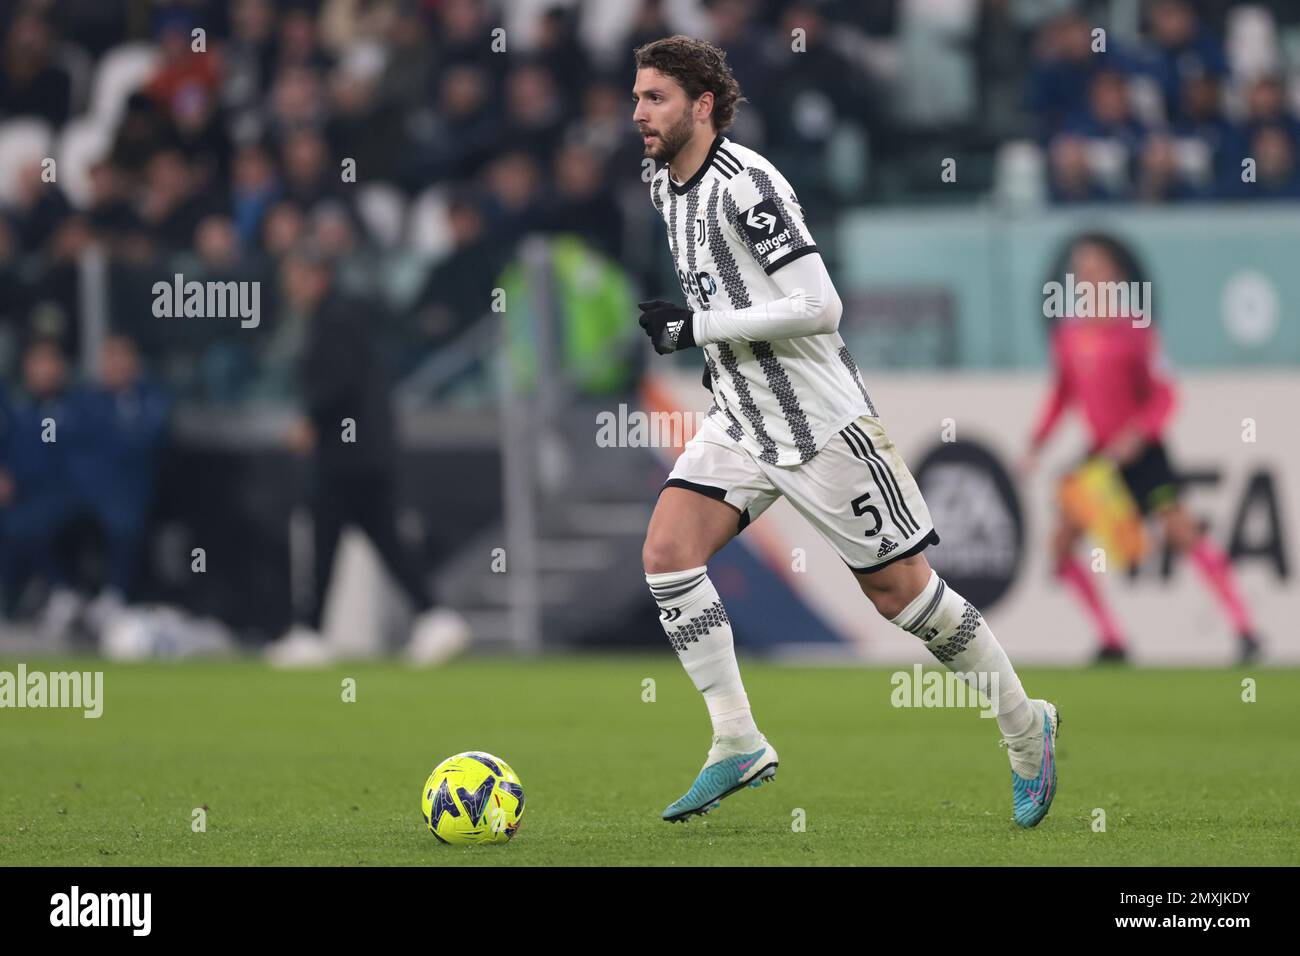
(309, 175)
(222, 255)
(254, 188)
(735, 31)
(407, 80)
(48, 237)
(559, 51)
(41, 209)
(180, 65)
(1096, 152)
(461, 30)
(466, 127)
(249, 55)
(1072, 179)
(36, 493)
(579, 203)
(114, 461)
(458, 290)
(819, 91)
(1266, 107)
(535, 112)
(142, 133)
(299, 43)
(1181, 49)
(200, 132)
(31, 83)
(170, 205)
(1108, 115)
(283, 228)
(361, 126)
(297, 102)
(1061, 72)
(1160, 176)
(1201, 122)
(514, 186)
(603, 126)
(1277, 176)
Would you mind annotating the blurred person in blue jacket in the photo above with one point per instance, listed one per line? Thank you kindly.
(115, 460)
(36, 494)
(76, 459)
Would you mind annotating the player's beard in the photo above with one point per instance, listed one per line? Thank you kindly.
(674, 138)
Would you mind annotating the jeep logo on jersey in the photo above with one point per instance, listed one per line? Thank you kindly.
(699, 285)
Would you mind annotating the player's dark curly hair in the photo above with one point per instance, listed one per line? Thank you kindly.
(700, 67)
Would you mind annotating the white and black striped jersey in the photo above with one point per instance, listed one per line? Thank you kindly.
(734, 224)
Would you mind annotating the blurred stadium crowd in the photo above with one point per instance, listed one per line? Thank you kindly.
(220, 154)
(1170, 119)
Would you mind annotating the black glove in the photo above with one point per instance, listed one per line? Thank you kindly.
(670, 327)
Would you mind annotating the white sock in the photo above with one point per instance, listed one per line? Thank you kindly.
(957, 634)
(699, 630)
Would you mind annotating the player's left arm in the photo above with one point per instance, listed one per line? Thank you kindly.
(761, 212)
(765, 219)
(809, 305)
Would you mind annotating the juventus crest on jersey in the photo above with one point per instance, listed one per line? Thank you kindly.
(730, 228)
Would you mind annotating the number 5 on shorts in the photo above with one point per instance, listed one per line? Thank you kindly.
(859, 509)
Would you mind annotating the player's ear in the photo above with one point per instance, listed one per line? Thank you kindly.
(704, 105)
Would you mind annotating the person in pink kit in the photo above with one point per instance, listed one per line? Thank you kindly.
(1110, 367)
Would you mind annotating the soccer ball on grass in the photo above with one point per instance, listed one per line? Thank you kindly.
(472, 797)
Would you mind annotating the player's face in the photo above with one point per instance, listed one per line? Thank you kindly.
(662, 115)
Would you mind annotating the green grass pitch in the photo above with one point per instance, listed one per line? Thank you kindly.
(1185, 771)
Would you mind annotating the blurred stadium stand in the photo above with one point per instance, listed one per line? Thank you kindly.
(521, 171)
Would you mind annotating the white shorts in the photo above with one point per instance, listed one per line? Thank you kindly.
(856, 491)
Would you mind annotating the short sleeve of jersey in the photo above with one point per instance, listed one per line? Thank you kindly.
(767, 219)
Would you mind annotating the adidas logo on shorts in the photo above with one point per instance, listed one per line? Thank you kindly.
(886, 546)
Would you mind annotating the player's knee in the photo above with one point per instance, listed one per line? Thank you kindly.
(889, 603)
(661, 555)
(893, 588)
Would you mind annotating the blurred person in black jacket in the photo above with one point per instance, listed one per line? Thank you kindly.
(347, 433)
(458, 290)
(31, 82)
